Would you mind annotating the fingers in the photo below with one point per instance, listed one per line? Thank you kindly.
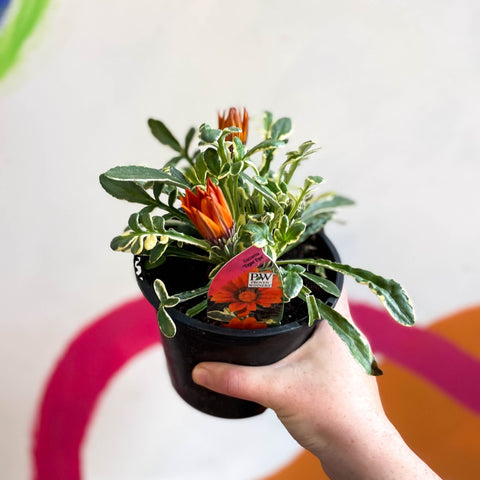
(247, 383)
(268, 385)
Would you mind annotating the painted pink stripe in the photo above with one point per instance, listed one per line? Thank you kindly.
(425, 353)
(79, 377)
(103, 348)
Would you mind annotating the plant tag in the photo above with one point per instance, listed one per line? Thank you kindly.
(247, 292)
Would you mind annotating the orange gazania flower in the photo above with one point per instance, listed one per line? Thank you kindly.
(209, 212)
(243, 299)
(234, 118)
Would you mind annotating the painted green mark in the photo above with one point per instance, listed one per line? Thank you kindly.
(15, 31)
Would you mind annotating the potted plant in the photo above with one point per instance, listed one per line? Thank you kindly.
(233, 257)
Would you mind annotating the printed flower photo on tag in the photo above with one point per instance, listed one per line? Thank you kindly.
(247, 293)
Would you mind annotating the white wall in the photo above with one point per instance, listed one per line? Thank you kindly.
(389, 89)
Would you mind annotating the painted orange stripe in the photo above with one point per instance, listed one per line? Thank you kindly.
(462, 329)
(441, 431)
(305, 467)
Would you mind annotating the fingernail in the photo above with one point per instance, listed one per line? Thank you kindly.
(200, 375)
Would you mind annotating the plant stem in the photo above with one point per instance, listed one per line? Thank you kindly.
(297, 203)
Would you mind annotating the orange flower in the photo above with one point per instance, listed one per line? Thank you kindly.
(243, 299)
(234, 118)
(248, 323)
(208, 210)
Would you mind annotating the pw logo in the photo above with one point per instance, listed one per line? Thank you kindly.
(260, 279)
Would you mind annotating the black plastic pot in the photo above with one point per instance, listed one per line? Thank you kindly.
(197, 341)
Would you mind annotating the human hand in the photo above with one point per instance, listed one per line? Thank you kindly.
(318, 381)
(328, 404)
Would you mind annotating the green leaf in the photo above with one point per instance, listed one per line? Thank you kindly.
(166, 300)
(149, 241)
(239, 148)
(165, 322)
(122, 242)
(201, 168)
(236, 168)
(184, 296)
(294, 232)
(323, 283)
(231, 129)
(220, 316)
(250, 164)
(160, 291)
(133, 222)
(212, 161)
(147, 210)
(158, 189)
(267, 121)
(266, 192)
(173, 161)
(191, 175)
(260, 234)
(265, 145)
(171, 302)
(146, 220)
(283, 187)
(293, 268)
(159, 223)
(172, 198)
(189, 138)
(163, 134)
(281, 128)
(273, 186)
(313, 226)
(352, 337)
(261, 180)
(129, 191)
(313, 180)
(157, 252)
(137, 246)
(325, 203)
(391, 294)
(182, 253)
(283, 225)
(285, 235)
(209, 134)
(182, 237)
(135, 173)
(295, 157)
(178, 175)
(288, 167)
(312, 308)
(149, 265)
(292, 281)
(195, 310)
(307, 148)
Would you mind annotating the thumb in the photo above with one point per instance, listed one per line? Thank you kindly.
(247, 383)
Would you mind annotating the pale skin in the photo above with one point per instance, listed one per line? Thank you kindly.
(328, 404)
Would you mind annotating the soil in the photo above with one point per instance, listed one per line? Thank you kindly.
(181, 274)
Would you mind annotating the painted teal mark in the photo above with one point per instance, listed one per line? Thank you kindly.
(16, 30)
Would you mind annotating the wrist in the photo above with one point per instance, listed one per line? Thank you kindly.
(357, 451)
(374, 450)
